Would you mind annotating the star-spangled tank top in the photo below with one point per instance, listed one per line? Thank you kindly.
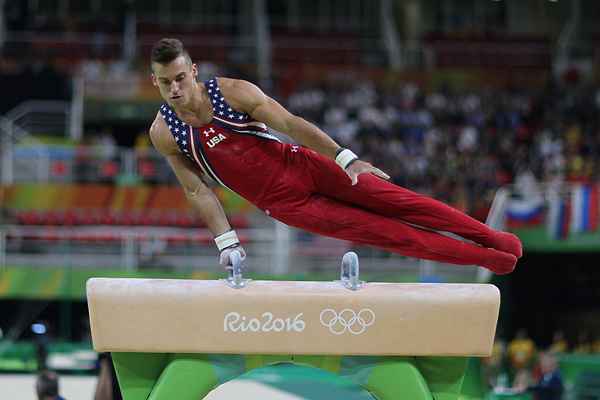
(226, 147)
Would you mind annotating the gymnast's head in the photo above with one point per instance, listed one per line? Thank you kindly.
(173, 72)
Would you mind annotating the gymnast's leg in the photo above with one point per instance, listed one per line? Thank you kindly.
(329, 217)
(386, 199)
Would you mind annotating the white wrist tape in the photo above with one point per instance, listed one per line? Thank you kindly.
(226, 239)
(345, 157)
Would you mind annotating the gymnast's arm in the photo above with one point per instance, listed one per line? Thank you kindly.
(200, 196)
(245, 96)
(249, 98)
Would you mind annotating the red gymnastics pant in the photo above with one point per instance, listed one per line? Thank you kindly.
(312, 193)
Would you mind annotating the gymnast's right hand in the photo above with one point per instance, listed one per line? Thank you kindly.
(225, 256)
(226, 243)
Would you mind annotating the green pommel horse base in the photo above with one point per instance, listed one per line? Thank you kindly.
(193, 339)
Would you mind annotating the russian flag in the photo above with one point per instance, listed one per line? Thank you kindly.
(524, 212)
(584, 211)
(559, 216)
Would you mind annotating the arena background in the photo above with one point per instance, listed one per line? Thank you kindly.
(491, 106)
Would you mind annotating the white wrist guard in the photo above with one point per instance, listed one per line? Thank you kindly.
(226, 239)
(345, 157)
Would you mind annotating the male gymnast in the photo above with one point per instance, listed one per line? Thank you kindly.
(218, 128)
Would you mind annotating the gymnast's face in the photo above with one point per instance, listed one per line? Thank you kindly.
(176, 80)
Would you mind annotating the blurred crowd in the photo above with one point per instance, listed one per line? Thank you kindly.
(457, 145)
(520, 365)
(461, 145)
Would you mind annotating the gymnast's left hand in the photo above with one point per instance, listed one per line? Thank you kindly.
(362, 167)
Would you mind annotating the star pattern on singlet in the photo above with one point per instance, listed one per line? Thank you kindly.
(220, 107)
(178, 128)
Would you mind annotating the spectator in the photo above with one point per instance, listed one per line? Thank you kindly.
(46, 386)
(550, 385)
(521, 350)
(40, 329)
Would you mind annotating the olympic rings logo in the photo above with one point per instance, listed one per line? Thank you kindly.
(347, 320)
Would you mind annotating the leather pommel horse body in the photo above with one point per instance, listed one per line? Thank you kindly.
(165, 331)
(159, 315)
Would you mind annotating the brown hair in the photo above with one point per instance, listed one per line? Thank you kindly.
(166, 50)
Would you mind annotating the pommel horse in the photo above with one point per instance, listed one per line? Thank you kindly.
(238, 338)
